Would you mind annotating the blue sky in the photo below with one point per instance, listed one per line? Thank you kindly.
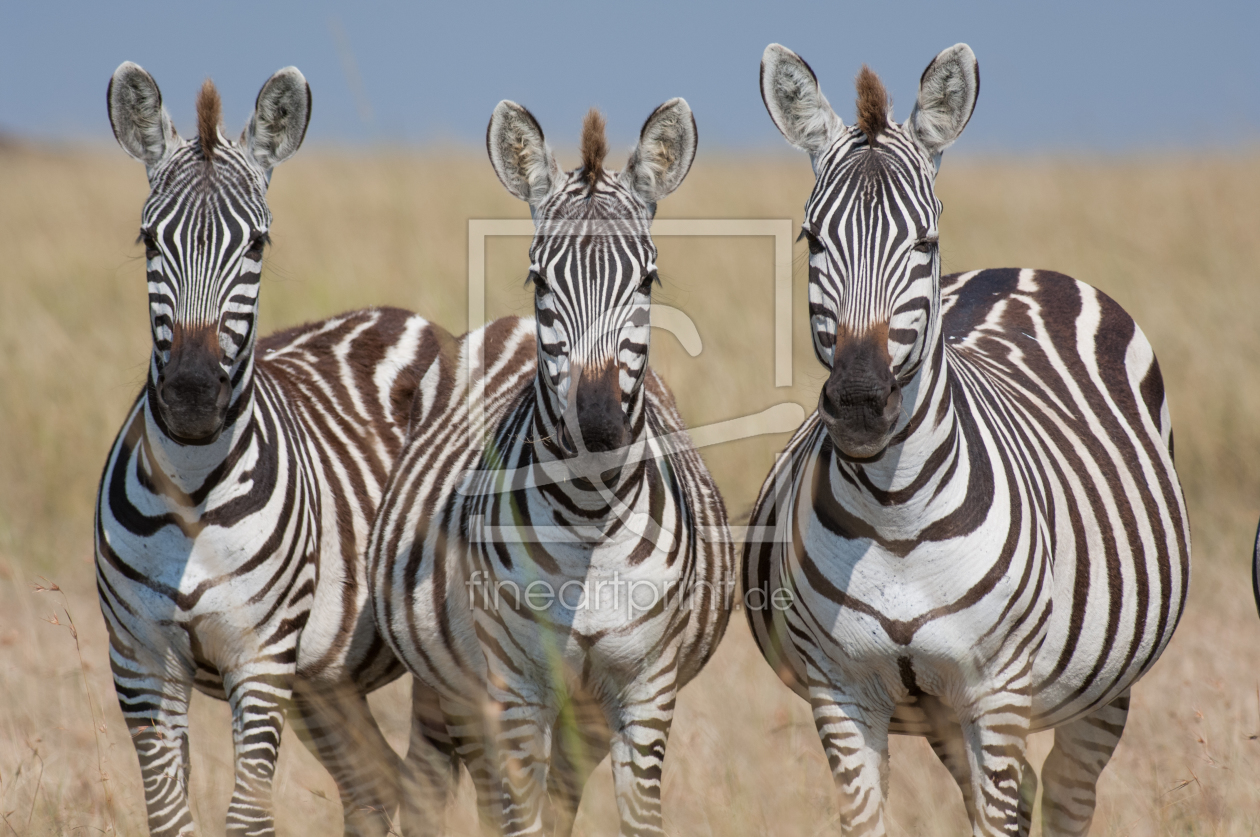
(1060, 76)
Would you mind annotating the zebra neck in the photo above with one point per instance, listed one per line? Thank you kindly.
(571, 486)
(189, 467)
(927, 467)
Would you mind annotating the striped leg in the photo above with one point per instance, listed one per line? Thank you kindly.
(1081, 751)
(997, 739)
(638, 757)
(337, 726)
(579, 743)
(855, 739)
(522, 742)
(156, 709)
(430, 772)
(257, 700)
(444, 735)
(947, 742)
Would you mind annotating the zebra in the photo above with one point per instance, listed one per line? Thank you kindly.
(979, 533)
(237, 497)
(551, 555)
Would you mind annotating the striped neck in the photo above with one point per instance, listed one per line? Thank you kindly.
(588, 476)
(924, 468)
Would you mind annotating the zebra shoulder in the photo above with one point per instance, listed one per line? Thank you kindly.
(989, 312)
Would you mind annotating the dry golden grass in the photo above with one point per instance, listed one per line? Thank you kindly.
(1172, 239)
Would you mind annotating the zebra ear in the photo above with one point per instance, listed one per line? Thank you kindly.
(141, 125)
(947, 96)
(666, 149)
(519, 153)
(281, 113)
(791, 94)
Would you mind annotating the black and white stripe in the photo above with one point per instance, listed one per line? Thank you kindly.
(551, 555)
(236, 500)
(980, 531)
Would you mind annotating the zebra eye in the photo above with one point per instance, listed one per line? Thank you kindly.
(256, 245)
(815, 246)
(924, 245)
(540, 284)
(650, 278)
(150, 245)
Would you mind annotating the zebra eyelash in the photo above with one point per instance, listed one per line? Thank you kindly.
(649, 279)
(540, 284)
(256, 245)
(150, 244)
(815, 246)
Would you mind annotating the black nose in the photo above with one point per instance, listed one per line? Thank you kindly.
(600, 418)
(859, 398)
(192, 393)
(861, 401)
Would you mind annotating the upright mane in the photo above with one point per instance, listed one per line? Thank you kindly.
(208, 117)
(594, 147)
(872, 104)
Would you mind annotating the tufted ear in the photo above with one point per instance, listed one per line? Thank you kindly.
(519, 153)
(281, 113)
(666, 149)
(141, 125)
(795, 102)
(947, 96)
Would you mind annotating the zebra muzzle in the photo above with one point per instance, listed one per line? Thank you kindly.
(594, 431)
(192, 393)
(861, 401)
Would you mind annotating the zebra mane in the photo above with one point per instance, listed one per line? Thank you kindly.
(872, 104)
(594, 148)
(208, 117)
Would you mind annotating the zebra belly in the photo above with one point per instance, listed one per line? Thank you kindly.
(596, 617)
(1108, 627)
(875, 639)
(202, 606)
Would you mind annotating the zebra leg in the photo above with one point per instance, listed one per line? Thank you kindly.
(335, 723)
(156, 709)
(522, 744)
(997, 737)
(258, 701)
(452, 733)
(946, 740)
(855, 739)
(579, 743)
(641, 725)
(1081, 750)
(430, 771)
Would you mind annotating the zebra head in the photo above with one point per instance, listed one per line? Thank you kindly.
(871, 226)
(204, 227)
(592, 264)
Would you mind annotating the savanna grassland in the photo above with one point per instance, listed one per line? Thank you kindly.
(1174, 240)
